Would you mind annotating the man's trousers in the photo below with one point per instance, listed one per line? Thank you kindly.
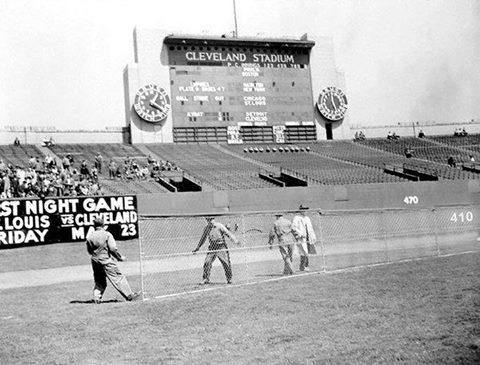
(108, 269)
(287, 255)
(222, 253)
(303, 252)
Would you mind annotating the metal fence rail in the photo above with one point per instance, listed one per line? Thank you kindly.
(344, 239)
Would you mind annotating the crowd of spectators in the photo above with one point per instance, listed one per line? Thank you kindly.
(48, 177)
(130, 169)
(460, 132)
(45, 178)
(392, 136)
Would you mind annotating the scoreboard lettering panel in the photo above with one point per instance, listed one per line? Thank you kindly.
(221, 87)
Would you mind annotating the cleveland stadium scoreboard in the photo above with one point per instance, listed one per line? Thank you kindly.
(238, 91)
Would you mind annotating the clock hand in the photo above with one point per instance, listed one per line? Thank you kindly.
(155, 105)
(333, 102)
(152, 101)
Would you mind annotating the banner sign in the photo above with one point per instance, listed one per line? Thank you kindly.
(278, 58)
(42, 221)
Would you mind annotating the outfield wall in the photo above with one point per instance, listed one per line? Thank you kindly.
(345, 197)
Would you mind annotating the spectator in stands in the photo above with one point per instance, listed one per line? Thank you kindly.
(84, 171)
(3, 166)
(460, 132)
(408, 152)
(75, 177)
(155, 169)
(66, 163)
(16, 142)
(49, 162)
(304, 234)
(32, 163)
(421, 134)
(281, 229)
(144, 172)
(57, 186)
(150, 160)
(134, 166)
(83, 189)
(48, 142)
(94, 175)
(112, 169)
(5, 186)
(95, 189)
(359, 136)
(69, 188)
(451, 161)
(392, 136)
(472, 159)
(98, 162)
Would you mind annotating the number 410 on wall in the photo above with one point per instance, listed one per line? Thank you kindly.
(462, 217)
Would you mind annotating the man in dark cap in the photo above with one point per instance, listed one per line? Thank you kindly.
(281, 229)
(102, 247)
(303, 232)
(216, 233)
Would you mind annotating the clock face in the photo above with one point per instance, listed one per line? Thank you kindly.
(332, 103)
(152, 103)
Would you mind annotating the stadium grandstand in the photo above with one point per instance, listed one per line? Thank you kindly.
(128, 169)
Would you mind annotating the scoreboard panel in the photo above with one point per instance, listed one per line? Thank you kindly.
(212, 96)
(227, 88)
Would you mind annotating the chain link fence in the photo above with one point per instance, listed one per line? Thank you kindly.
(344, 239)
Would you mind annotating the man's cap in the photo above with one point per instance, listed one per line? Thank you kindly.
(278, 214)
(303, 207)
(209, 217)
(98, 222)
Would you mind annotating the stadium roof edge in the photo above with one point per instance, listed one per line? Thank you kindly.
(203, 40)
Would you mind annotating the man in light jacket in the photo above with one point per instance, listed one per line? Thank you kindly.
(303, 232)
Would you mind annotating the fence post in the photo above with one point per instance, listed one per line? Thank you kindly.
(140, 247)
(435, 226)
(384, 234)
(322, 245)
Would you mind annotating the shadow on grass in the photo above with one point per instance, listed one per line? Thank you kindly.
(90, 301)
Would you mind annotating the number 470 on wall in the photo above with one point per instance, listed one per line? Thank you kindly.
(411, 199)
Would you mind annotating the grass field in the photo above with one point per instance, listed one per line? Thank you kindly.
(425, 311)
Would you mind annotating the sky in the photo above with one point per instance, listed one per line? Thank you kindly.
(62, 61)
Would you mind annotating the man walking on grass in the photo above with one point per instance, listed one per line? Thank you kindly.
(281, 229)
(102, 247)
(303, 232)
